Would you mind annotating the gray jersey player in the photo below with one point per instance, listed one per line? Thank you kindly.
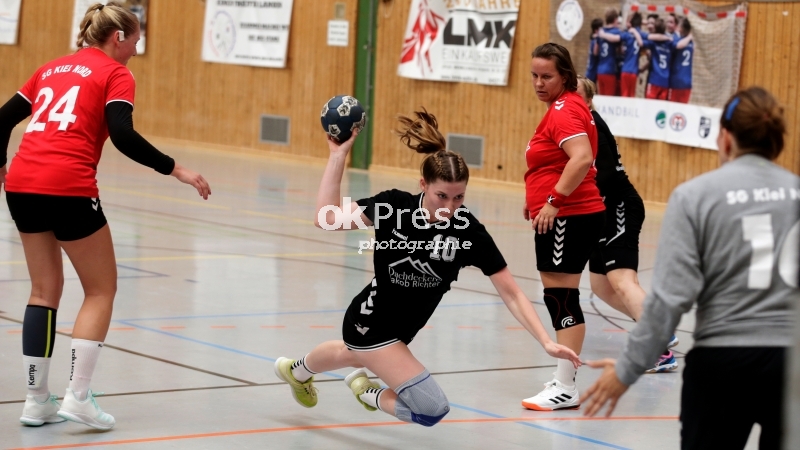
(729, 245)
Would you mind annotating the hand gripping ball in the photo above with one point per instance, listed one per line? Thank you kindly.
(342, 115)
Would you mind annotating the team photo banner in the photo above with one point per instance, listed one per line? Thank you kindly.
(250, 33)
(9, 21)
(678, 58)
(660, 120)
(466, 41)
(137, 7)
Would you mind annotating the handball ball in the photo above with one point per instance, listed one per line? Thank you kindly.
(342, 115)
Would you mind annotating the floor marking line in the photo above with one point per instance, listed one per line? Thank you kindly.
(523, 420)
(164, 197)
(155, 358)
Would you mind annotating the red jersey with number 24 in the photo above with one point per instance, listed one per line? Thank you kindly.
(62, 144)
(567, 118)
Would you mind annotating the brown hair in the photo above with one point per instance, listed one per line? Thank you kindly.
(589, 88)
(611, 16)
(101, 21)
(755, 119)
(559, 55)
(422, 135)
(660, 26)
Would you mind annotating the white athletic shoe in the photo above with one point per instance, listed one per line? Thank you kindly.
(554, 396)
(37, 414)
(674, 341)
(87, 412)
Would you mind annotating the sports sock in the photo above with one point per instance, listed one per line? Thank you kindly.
(566, 373)
(84, 360)
(372, 397)
(38, 337)
(300, 370)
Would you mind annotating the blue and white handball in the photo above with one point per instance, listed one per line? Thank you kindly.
(342, 115)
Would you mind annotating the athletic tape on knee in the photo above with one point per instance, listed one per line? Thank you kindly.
(38, 331)
(421, 400)
(564, 307)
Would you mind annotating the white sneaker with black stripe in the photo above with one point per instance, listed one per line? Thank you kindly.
(554, 396)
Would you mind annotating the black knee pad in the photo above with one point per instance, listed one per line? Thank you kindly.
(564, 307)
(38, 331)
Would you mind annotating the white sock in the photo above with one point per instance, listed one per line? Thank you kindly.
(36, 370)
(372, 397)
(84, 359)
(300, 370)
(566, 372)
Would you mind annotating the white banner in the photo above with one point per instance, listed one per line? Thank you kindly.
(659, 120)
(9, 21)
(250, 33)
(137, 7)
(459, 41)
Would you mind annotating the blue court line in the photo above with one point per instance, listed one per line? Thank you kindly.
(539, 427)
(217, 346)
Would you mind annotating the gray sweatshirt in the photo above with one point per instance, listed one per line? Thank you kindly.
(729, 243)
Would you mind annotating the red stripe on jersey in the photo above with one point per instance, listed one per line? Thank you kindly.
(63, 141)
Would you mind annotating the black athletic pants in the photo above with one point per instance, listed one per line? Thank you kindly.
(728, 389)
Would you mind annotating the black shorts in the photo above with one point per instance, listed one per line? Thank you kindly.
(69, 218)
(376, 329)
(567, 246)
(716, 410)
(619, 246)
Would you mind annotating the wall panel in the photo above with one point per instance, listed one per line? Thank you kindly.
(507, 116)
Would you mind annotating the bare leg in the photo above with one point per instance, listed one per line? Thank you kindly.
(43, 256)
(93, 259)
(331, 355)
(394, 365)
(626, 284)
(603, 289)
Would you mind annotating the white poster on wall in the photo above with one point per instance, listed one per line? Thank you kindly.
(9, 21)
(459, 41)
(137, 7)
(251, 33)
(659, 120)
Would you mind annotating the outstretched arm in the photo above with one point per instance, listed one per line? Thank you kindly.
(329, 195)
(684, 42)
(522, 310)
(610, 37)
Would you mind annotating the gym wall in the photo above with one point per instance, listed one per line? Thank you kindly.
(181, 97)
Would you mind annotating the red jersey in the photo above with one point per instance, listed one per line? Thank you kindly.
(567, 118)
(62, 144)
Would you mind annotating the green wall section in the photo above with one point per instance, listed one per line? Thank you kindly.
(365, 77)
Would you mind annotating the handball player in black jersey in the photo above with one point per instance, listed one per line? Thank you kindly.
(421, 243)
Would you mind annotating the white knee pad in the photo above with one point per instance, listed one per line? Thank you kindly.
(421, 400)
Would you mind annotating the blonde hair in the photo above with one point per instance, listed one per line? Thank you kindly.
(422, 135)
(589, 88)
(101, 21)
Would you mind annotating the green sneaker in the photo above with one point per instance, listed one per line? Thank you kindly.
(359, 383)
(304, 393)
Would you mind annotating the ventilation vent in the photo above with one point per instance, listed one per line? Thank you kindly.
(275, 129)
(469, 146)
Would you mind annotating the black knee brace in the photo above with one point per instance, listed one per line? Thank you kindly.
(564, 307)
(38, 331)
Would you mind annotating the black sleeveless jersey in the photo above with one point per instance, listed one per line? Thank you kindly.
(611, 177)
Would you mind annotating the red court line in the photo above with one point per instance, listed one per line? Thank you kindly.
(14, 331)
(334, 426)
(223, 326)
(173, 327)
(273, 326)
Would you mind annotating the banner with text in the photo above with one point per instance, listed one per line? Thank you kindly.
(661, 120)
(137, 7)
(9, 21)
(459, 41)
(250, 33)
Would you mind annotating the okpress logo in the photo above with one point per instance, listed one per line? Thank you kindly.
(420, 217)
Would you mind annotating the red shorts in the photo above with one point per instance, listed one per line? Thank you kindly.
(680, 95)
(627, 83)
(606, 84)
(656, 92)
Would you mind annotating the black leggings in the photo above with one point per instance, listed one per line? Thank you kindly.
(728, 389)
